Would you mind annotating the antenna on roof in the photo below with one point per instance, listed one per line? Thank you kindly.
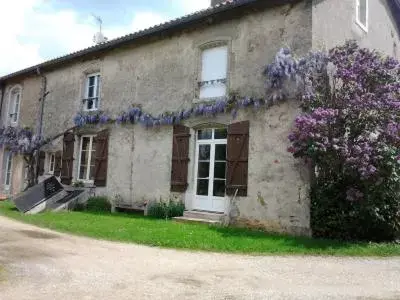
(99, 37)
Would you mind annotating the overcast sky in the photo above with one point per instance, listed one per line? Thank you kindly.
(33, 31)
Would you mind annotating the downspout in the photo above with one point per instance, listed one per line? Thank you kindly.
(2, 91)
(39, 127)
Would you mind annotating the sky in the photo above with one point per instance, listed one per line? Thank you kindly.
(34, 31)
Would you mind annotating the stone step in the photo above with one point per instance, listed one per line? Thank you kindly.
(194, 214)
(196, 220)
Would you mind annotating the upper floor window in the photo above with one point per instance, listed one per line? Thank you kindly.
(362, 14)
(14, 105)
(214, 71)
(92, 94)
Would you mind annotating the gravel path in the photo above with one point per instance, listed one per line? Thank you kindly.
(41, 264)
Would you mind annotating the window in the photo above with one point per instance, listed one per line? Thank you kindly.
(362, 14)
(214, 69)
(210, 169)
(87, 158)
(8, 170)
(92, 95)
(52, 162)
(14, 105)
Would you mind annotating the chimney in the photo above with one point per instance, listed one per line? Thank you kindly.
(216, 2)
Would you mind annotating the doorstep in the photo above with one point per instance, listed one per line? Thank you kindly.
(204, 217)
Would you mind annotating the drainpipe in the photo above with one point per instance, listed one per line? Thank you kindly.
(2, 91)
(39, 127)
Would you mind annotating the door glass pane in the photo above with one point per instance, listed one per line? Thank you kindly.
(204, 134)
(85, 143)
(202, 187)
(220, 152)
(84, 157)
(221, 133)
(82, 172)
(204, 170)
(204, 152)
(219, 188)
(219, 170)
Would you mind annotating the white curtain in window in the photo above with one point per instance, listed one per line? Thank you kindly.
(214, 67)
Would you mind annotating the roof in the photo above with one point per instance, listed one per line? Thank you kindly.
(115, 43)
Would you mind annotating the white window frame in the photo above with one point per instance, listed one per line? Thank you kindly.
(87, 179)
(52, 162)
(203, 80)
(97, 92)
(212, 142)
(13, 109)
(358, 19)
(8, 170)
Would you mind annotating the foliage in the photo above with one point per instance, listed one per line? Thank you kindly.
(136, 115)
(78, 184)
(153, 232)
(98, 204)
(350, 132)
(19, 140)
(166, 210)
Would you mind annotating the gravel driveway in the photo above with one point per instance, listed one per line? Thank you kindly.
(41, 264)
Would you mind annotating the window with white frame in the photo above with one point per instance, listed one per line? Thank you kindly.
(7, 170)
(87, 158)
(214, 70)
(92, 94)
(14, 105)
(362, 14)
(52, 162)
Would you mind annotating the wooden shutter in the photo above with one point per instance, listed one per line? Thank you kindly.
(42, 158)
(237, 158)
(101, 158)
(57, 163)
(180, 158)
(67, 158)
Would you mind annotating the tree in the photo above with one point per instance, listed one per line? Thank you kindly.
(350, 131)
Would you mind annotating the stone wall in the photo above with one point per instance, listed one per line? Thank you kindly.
(334, 22)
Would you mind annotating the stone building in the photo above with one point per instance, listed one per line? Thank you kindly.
(235, 167)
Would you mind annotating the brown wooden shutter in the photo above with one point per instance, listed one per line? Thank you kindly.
(237, 158)
(42, 158)
(67, 158)
(180, 158)
(101, 158)
(57, 163)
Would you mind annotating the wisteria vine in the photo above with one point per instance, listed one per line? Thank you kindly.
(136, 115)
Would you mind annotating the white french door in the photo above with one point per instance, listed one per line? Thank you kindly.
(210, 170)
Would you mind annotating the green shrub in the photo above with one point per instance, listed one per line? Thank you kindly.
(98, 204)
(166, 210)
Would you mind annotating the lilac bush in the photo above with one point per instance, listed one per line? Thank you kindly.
(349, 129)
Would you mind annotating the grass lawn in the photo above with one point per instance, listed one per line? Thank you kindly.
(142, 230)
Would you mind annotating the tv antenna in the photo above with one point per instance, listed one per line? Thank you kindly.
(99, 37)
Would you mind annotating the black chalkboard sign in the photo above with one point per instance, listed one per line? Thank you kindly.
(37, 194)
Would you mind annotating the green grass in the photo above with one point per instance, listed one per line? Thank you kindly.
(138, 229)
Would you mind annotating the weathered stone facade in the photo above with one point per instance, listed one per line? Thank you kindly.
(161, 74)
